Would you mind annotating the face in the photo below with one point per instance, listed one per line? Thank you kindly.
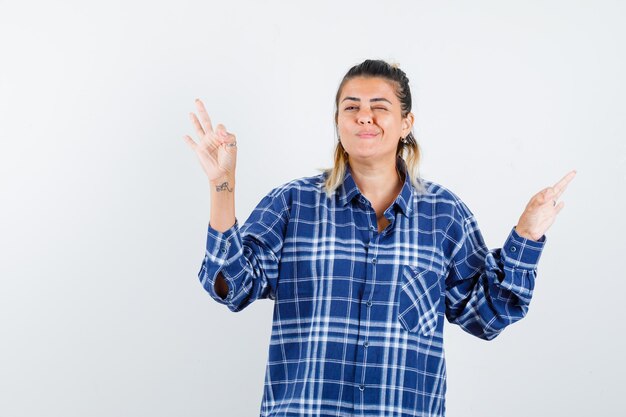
(369, 119)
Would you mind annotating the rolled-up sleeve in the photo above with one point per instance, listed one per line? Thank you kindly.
(247, 256)
(487, 290)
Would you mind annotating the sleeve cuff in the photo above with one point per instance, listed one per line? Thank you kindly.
(222, 249)
(520, 252)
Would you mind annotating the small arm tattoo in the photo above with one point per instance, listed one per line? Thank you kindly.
(223, 187)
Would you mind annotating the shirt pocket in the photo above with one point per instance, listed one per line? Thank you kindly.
(418, 301)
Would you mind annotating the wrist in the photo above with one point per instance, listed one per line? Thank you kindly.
(223, 181)
(523, 233)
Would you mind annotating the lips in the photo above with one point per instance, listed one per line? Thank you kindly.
(367, 134)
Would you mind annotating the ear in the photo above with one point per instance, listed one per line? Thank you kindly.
(407, 124)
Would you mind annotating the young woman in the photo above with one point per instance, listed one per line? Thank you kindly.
(363, 261)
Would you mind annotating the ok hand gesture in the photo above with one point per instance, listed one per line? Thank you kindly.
(542, 209)
(216, 149)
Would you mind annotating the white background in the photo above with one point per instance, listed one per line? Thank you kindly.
(104, 208)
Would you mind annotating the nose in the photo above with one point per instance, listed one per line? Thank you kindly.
(364, 117)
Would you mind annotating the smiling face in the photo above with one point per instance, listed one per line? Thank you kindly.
(369, 119)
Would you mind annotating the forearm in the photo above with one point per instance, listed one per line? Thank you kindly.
(487, 290)
(222, 215)
(241, 264)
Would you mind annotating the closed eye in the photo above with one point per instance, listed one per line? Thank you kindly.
(355, 107)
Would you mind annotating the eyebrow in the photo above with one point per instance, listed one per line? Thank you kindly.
(371, 100)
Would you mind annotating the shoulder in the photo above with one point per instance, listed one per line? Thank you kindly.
(297, 190)
(310, 183)
(444, 199)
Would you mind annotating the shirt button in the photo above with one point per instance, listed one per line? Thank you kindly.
(513, 248)
(223, 250)
(374, 260)
(371, 227)
(366, 344)
(362, 387)
(369, 303)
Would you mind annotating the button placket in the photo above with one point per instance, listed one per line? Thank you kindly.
(364, 344)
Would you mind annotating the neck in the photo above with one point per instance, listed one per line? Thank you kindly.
(376, 180)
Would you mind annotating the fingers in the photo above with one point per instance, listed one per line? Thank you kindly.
(190, 142)
(204, 129)
(561, 185)
(545, 196)
(196, 124)
(223, 134)
(204, 116)
(551, 194)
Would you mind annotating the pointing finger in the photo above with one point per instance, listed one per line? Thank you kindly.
(561, 185)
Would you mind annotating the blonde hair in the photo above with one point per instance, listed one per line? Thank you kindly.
(408, 150)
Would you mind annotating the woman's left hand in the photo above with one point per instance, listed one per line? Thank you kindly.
(542, 209)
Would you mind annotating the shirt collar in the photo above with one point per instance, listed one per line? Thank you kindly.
(349, 190)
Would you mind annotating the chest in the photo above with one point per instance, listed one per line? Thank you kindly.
(382, 222)
(342, 267)
(325, 246)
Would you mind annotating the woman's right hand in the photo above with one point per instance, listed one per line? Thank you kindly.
(217, 157)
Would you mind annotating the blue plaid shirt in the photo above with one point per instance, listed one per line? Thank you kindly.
(358, 314)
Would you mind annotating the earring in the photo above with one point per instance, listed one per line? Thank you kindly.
(404, 141)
